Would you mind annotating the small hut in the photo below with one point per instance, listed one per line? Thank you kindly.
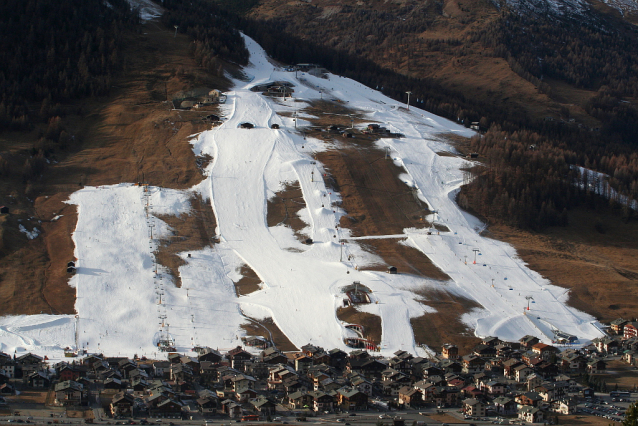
(212, 97)
(210, 117)
(392, 269)
(274, 126)
(246, 125)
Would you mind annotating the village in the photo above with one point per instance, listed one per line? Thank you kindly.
(524, 382)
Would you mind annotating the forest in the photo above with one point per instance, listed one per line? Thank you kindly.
(56, 55)
(531, 182)
(53, 52)
(56, 52)
(588, 53)
(211, 28)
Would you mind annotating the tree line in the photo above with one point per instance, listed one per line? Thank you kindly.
(211, 29)
(53, 52)
(588, 52)
(530, 181)
(56, 52)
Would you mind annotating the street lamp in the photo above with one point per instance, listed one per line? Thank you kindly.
(409, 93)
(176, 27)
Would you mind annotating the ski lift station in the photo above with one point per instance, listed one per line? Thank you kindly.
(357, 294)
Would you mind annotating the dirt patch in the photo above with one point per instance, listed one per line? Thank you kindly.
(58, 227)
(439, 227)
(459, 142)
(249, 282)
(377, 202)
(620, 373)
(330, 113)
(34, 277)
(284, 207)
(192, 231)
(583, 420)
(444, 326)
(80, 414)
(28, 396)
(407, 259)
(599, 269)
(371, 323)
(267, 328)
(446, 418)
(23, 279)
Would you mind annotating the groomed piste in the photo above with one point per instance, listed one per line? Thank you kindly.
(127, 304)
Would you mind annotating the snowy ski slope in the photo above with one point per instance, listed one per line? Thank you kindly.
(124, 298)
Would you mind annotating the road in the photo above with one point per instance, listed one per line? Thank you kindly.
(359, 418)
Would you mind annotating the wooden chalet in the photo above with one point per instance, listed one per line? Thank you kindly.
(70, 393)
(39, 379)
(122, 404)
(410, 397)
(263, 406)
(237, 357)
(207, 406)
(352, 399)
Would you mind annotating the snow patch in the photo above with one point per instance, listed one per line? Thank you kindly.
(30, 234)
(149, 10)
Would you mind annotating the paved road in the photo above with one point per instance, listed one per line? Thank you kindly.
(359, 419)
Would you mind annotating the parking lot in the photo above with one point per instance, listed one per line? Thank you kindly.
(606, 407)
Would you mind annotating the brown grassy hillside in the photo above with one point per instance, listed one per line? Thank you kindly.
(600, 269)
(435, 40)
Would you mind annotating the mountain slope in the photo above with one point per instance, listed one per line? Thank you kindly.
(539, 58)
(303, 285)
